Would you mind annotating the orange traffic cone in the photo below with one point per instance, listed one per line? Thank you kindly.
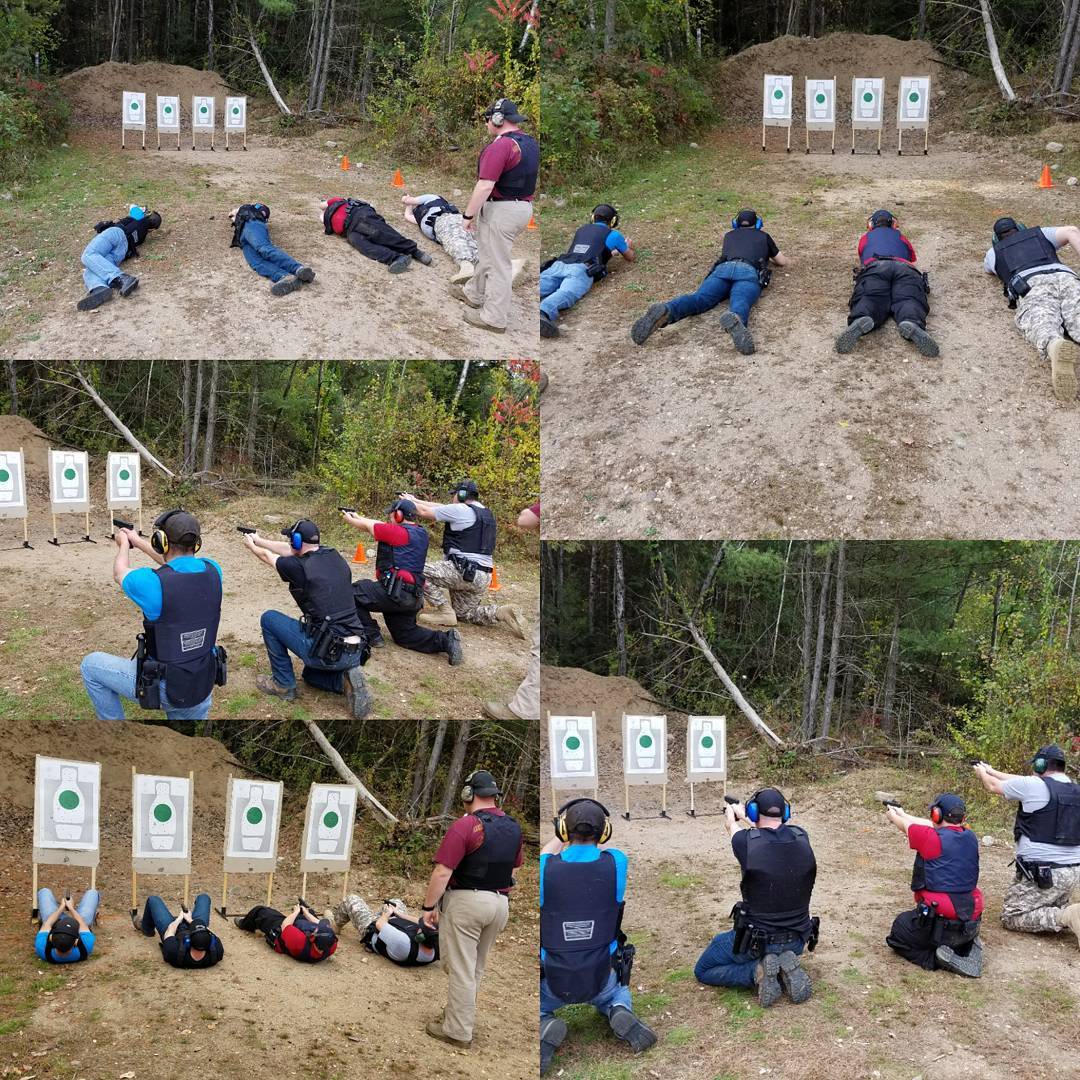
(1044, 180)
(494, 585)
(399, 180)
(345, 163)
(361, 554)
(532, 223)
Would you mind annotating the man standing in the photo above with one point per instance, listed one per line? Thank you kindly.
(370, 233)
(181, 606)
(888, 284)
(251, 235)
(101, 258)
(302, 934)
(943, 929)
(398, 588)
(525, 704)
(467, 899)
(772, 921)
(468, 545)
(584, 958)
(1044, 291)
(65, 936)
(329, 639)
(499, 209)
(741, 272)
(186, 941)
(569, 277)
(1047, 834)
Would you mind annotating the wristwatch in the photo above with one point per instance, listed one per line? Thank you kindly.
(468, 217)
(427, 908)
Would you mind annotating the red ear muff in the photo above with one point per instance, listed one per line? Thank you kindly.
(398, 516)
(936, 815)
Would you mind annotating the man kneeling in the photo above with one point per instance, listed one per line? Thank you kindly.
(302, 934)
(772, 922)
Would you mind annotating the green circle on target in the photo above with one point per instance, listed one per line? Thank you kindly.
(572, 742)
(162, 812)
(124, 474)
(645, 741)
(254, 815)
(70, 474)
(236, 110)
(913, 96)
(68, 799)
(168, 109)
(868, 96)
(778, 93)
(707, 741)
(820, 99)
(202, 108)
(331, 819)
(5, 476)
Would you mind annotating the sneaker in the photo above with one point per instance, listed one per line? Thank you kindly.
(475, 319)
(137, 923)
(465, 271)
(552, 1033)
(740, 335)
(793, 980)
(923, 341)
(548, 329)
(126, 283)
(766, 981)
(357, 694)
(438, 617)
(422, 257)
(457, 291)
(95, 298)
(513, 618)
(266, 684)
(453, 648)
(1063, 356)
(630, 1029)
(306, 274)
(400, 264)
(846, 341)
(376, 641)
(436, 1032)
(970, 965)
(496, 710)
(1069, 917)
(237, 920)
(653, 319)
(285, 286)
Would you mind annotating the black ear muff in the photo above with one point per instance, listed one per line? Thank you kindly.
(1040, 765)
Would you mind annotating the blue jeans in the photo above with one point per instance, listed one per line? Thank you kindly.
(282, 634)
(102, 257)
(719, 965)
(562, 285)
(262, 256)
(739, 280)
(156, 916)
(613, 994)
(86, 907)
(109, 678)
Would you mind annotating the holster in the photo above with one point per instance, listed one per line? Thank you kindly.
(466, 567)
(148, 675)
(622, 962)
(403, 593)
(221, 677)
(1040, 874)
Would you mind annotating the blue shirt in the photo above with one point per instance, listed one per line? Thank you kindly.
(585, 853)
(42, 937)
(616, 242)
(143, 587)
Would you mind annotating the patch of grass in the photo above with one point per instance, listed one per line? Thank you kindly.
(240, 705)
(679, 881)
(852, 976)
(600, 1070)
(884, 997)
(680, 1036)
(679, 975)
(585, 1023)
(246, 660)
(651, 1002)
(423, 703)
(50, 983)
(828, 1001)
(20, 637)
(741, 1008)
(7, 985)
(9, 1027)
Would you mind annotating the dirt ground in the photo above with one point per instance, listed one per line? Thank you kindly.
(688, 438)
(65, 604)
(872, 1015)
(198, 298)
(126, 1013)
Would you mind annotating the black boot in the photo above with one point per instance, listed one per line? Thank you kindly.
(740, 335)
(400, 264)
(95, 298)
(126, 283)
(453, 648)
(655, 317)
(630, 1029)
(846, 341)
(548, 329)
(552, 1034)
(357, 693)
(923, 341)
(422, 257)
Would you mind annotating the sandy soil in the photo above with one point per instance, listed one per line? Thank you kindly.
(67, 603)
(686, 437)
(125, 1012)
(872, 1014)
(198, 298)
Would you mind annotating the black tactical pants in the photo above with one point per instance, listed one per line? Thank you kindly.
(913, 937)
(889, 288)
(368, 231)
(400, 621)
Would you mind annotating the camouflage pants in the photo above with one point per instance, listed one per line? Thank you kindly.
(470, 599)
(1033, 910)
(458, 244)
(1052, 305)
(353, 909)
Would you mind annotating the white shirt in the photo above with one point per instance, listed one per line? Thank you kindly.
(1030, 792)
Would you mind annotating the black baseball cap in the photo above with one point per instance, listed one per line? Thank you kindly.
(324, 936)
(507, 108)
(406, 506)
(770, 802)
(586, 817)
(1004, 225)
(1053, 752)
(308, 530)
(180, 527)
(64, 934)
(881, 217)
(483, 783)
(468, 486)
(953, 808)
(200, 937)
(746, 217)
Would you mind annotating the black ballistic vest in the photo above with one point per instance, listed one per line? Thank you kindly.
(417, 937)
(184, 635)
(477, 539)
(954, 872)
(1058, 822)
(779, 878)
(432, 209)
(1022, 250)
(579, 921)
(491, 866)
(746, 245)
(248, 212)
(520, 180)
(327, 592)
(411, 557)
(589, 246)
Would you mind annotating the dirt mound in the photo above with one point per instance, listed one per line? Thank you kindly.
(96, 92)
(843, 56)
(575, 691)
(15, 432)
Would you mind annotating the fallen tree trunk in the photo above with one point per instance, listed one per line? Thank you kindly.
(747, 709)
(267, 78)
(345, 772)
(995, 57)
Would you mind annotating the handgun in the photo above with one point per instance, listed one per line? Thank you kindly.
(891, 802)
(975, 761)
(347, 509)
(245, 530)
(731, 800)
(119, 523)
(184, 908)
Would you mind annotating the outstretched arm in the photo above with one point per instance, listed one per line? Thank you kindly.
(424, 508)
(781, 259)
(993, 780)
(262, 551)
(358, 521)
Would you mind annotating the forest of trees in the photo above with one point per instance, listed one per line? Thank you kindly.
(906, 641)
(356, 428)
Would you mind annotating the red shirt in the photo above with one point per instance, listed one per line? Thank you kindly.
(395, 536)
(337, 218)
(495, 159)
(464, 837)
(293, 940)
(924, 839)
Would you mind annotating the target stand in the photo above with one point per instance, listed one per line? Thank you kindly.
(625, 815)
(706, 757)
(165, 864)
(253, 813)
(86, 538)
(13, 501)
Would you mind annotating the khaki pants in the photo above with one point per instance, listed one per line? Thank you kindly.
(526, 702)
(497, 227)
(468, 926)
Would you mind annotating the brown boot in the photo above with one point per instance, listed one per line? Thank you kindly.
(1069, 918)
(1063, 356)
(513, 618)
(436, 1032)
(438, 617)
(496, 710)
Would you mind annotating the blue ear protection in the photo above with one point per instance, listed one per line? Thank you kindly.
(753, 814)
(296, 541)
(758, 223)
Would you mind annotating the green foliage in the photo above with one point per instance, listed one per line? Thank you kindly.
(32, 114)
(26, 32)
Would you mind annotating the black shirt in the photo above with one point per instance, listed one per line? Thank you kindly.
(177, 951)
(754, 246)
